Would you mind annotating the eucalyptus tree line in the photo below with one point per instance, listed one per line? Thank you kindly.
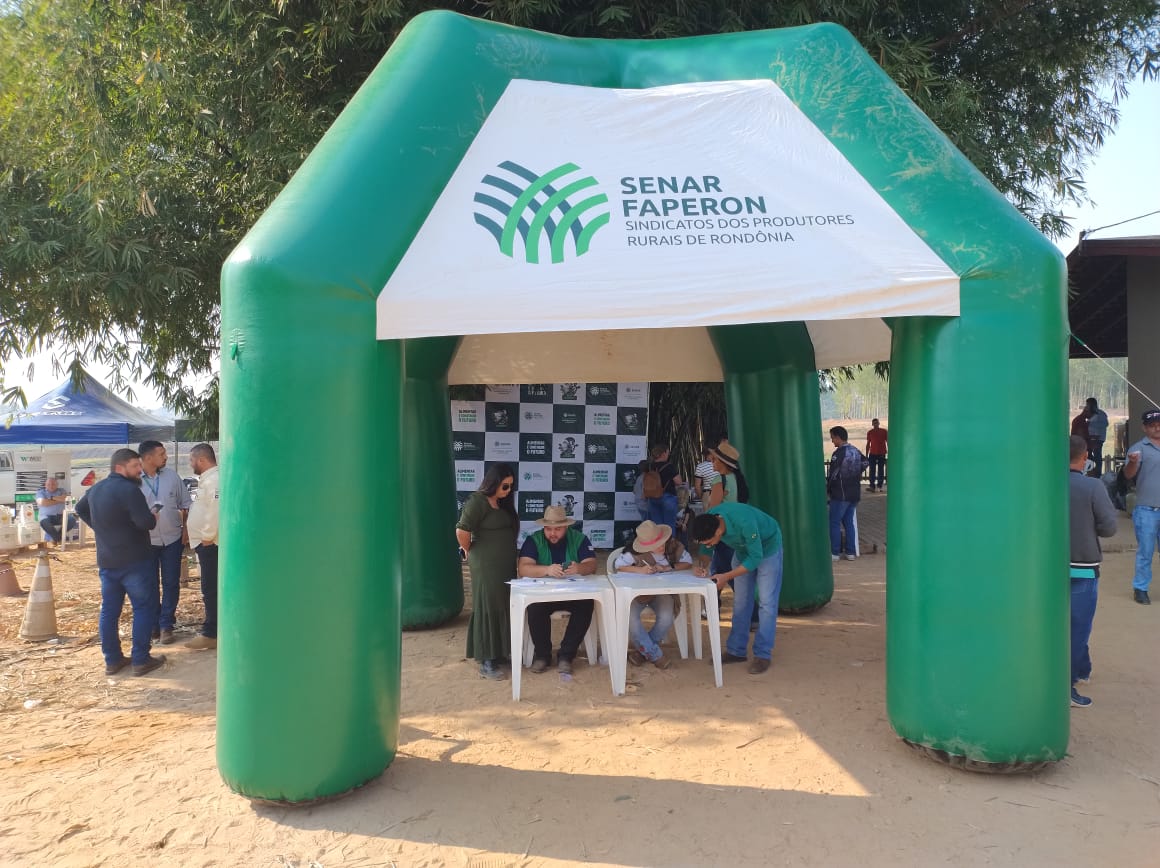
(139, 139)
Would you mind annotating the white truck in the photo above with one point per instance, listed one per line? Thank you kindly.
(24, 470)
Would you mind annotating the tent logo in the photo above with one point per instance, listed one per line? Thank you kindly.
(517, 201)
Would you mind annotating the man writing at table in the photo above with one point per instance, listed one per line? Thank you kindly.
(557, 551)
(653, 551)
(757, 560)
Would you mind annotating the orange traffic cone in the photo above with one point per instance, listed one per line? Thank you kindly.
(39, 623)
(9, 587)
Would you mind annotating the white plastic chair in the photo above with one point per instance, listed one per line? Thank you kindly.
(678, 622)
(591, 644)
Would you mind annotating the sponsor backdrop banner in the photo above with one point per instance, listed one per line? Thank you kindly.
(575, 444)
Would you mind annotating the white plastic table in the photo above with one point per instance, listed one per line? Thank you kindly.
(596, 588)
(693, 590)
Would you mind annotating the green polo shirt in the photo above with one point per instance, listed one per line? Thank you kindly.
(751, 533)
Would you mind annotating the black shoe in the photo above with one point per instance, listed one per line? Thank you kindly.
(564, 666)
(156, 634)
(1141, 597)
(166, 637)
(539, 665)
(148, 666)
(490, 670)
(114, 668)
(733, 658)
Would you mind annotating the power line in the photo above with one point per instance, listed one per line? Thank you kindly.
(1088, 232)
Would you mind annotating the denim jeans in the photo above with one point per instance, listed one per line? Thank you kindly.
(842, 518)
(1083, 610)
(51, 525)
(137, 581)
(207, 558)
(663, 510)
(877, 470)
(1146, 520)
(167, 560)
(648, 641)
(768, 584)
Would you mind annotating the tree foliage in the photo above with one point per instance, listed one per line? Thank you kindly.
(139, 139)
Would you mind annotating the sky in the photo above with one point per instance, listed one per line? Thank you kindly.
(1123, 181)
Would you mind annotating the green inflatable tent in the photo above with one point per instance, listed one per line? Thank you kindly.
(504, 206)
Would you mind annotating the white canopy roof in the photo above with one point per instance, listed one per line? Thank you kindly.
(591, 234)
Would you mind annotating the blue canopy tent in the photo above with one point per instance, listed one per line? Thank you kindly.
(95, 415)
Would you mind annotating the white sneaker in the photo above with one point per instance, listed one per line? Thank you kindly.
(835, 558)
(850, 557)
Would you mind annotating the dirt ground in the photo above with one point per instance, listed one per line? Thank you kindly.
(796, 767)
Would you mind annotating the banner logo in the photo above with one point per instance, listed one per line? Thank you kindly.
(517, 201)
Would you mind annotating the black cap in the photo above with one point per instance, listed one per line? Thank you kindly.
(1150, 416)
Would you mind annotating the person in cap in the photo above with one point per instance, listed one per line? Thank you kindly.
(1143, 467)
(755, 538)
(654, 550)
(1091, 517)
(555, 551)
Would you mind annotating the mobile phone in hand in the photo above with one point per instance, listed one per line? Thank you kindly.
(156, 508)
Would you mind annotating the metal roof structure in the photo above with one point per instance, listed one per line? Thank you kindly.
(1097, 277)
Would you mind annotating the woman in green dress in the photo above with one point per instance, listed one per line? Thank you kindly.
(487, 531)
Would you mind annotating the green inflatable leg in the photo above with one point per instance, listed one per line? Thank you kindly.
(977, 596)
(309, 637)
(432, 575)
(771, 392)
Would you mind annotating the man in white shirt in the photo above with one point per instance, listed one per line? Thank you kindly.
(202, 528)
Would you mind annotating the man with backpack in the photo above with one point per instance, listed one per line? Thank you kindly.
(660, 487)
(844, 487)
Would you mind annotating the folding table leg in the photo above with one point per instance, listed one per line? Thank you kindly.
(682, 625)
(693, 607)
(714, 631)
(607, 628)
(516, 609)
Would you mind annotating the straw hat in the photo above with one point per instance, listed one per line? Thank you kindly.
(726, 453)
(651, 537)
(554, 516)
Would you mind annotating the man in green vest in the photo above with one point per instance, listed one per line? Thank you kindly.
(757, 562)
(557, 551)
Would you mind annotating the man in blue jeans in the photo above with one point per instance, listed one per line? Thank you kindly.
(161, 485)
(844, 487)
(1143, 468)
(119, 515)
(757, 562)
(1092, 516)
